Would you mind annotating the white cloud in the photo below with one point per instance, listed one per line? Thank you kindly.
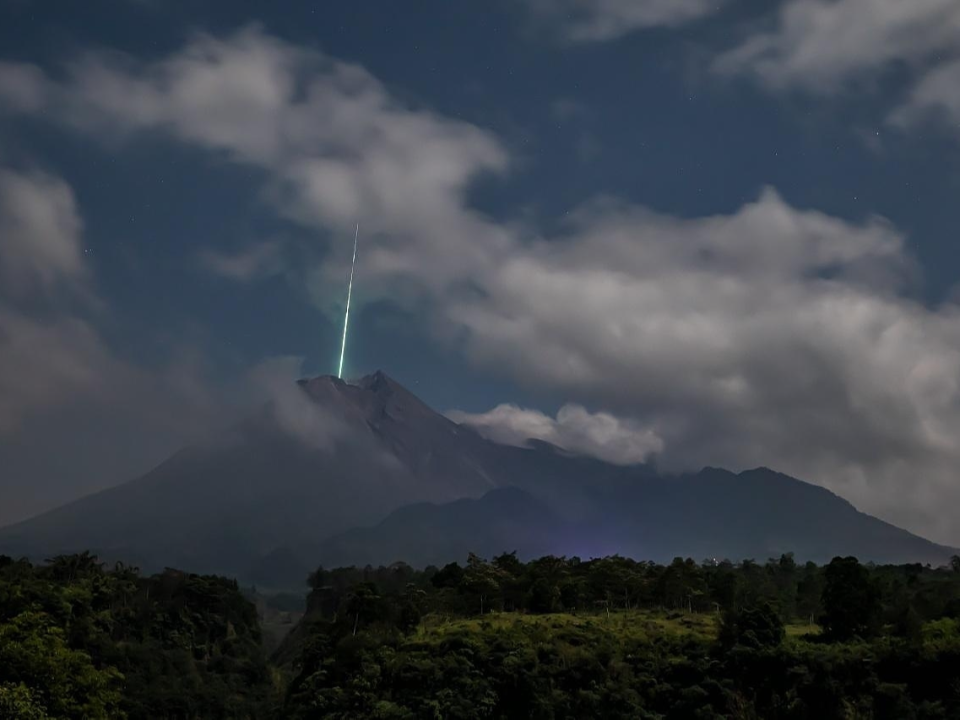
(767, 336)
(253, 261)
(576, 429)
(333, 145)
(42, 363)
(936, 97)
(828, 46)
(61, 384)
(770, 336)
(821, 45)
(52, 354)
(23, 87)
(39, 234)
(598, 20)
(338, 148)
(274, 380)
(42, 357)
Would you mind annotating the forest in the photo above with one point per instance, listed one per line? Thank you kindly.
(490, 638)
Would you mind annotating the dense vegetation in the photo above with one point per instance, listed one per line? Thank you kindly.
(614, 638)
(77, 641)
(551, 638)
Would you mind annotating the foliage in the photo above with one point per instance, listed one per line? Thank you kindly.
(78, 641)
(615, 638)
(755, 627)
(550, 638)
(61, 680)
(20, 702)
(851, 600)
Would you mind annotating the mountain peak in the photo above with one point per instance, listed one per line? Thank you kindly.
(373, 397)
(397, 401)
(379, 382)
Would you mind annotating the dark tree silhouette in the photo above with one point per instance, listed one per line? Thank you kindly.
(851, 600)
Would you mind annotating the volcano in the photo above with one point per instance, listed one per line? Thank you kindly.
(366, 473)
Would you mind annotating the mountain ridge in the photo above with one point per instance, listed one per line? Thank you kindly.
(332, 461)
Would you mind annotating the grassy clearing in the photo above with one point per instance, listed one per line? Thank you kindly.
(801, 629)
(629, 624)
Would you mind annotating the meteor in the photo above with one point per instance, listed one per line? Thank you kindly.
(346, 317)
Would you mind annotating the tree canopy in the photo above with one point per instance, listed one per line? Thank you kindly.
(495, 638)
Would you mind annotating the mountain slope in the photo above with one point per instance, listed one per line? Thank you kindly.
(315, 477)
(337, 456)
(757, 514)
(427, 533)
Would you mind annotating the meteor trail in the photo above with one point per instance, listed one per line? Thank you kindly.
(346, 317)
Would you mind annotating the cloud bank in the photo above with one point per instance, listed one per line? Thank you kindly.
(332, 141)
(76, 415)
(822, 44)
(768, 335)
(828, 46)
(64, 392)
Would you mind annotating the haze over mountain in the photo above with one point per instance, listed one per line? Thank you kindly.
(338, 473)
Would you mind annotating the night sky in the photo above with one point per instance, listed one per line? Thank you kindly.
(691, 232)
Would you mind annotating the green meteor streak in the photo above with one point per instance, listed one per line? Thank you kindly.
(346, 317)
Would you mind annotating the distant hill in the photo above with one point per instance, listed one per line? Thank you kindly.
(713, 514)
(366, 472)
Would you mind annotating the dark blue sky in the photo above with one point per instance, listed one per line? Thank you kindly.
(641, 114)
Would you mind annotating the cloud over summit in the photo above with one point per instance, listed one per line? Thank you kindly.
(575, 428)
